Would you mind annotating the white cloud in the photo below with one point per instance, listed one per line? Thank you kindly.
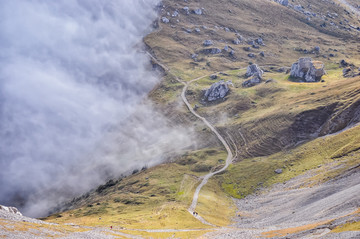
(70, 76)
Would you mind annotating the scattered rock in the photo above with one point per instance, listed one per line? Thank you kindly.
(211, 51)
(217, 91)
(269, 81)
(236, 41)
(298, 8)
(251, 42)
(252, 82)
(254, 70)
(247, 48)
(346, 71)
(213, 77)
(197, 30)
(281, 69)
(259, 41)
(279, 171)
(175, 13)
(317, 49)
(186, 10)
(307, 69)
(188, 30)
(208, 43)
(284, 2)
(343, 63)
(252, 55)
(165, 20)
(198, 11)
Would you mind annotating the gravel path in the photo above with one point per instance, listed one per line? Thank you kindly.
(229, 158)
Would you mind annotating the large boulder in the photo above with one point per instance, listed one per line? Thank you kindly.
(307, 70)
(217, 91)
(254, 70)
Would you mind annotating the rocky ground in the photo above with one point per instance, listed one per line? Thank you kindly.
(16, 226)
(303, 212)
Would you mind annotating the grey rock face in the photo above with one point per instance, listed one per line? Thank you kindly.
(308, 70)
(208, 43)
(217, 91)
(12, 210)
(254, 70)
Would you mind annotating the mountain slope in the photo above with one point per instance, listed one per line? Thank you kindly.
(308, 130)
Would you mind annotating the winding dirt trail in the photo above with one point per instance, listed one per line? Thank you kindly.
(229, 158)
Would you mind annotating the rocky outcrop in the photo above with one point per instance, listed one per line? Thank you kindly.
(208, 43)
(211, 51)
(165, 20)
(307, 70)
(217, 91)
(254, 70)
(256, 73)
(252, 82)
(12, 210)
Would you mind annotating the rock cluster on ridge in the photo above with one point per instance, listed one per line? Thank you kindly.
(307, 70)
(217, 91)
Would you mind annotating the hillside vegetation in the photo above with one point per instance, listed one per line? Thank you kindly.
(306, 129)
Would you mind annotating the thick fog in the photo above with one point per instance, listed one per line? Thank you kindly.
(72, 89)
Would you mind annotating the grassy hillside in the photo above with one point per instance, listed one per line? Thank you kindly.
(296, 127)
